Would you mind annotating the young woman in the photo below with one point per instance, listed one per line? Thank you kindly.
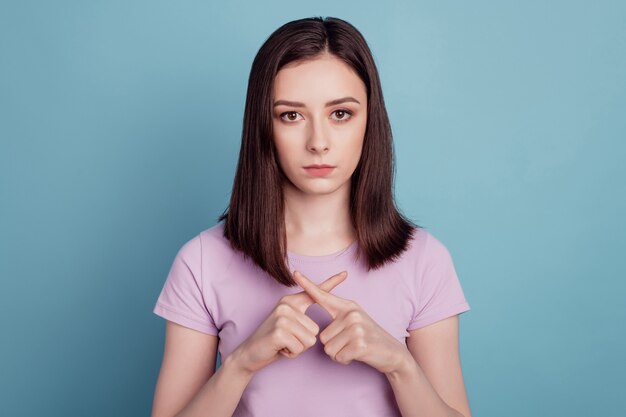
(322, 299)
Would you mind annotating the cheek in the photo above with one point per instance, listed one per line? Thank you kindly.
(284, 150)
(288, 139)
(356, 141)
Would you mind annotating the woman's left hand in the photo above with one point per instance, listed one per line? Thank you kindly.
(353, 335)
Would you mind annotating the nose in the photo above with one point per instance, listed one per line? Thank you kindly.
(318, 138)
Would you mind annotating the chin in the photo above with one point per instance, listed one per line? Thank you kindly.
(317, 187)
(324, 189)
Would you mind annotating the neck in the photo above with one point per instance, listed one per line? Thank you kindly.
(319, 222)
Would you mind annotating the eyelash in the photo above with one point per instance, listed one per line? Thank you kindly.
(346, 111)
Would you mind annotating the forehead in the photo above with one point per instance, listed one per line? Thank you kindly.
(319, 79)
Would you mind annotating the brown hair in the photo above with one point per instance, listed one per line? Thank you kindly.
(254, 219)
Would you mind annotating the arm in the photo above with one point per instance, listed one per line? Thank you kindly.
(430, 381)
(188, 384)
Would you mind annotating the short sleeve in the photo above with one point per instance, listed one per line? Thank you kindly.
(181, 299)
(439, 293)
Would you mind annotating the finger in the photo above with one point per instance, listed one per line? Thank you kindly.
(335, 344)
(331, 303)
(304, 335)
(299, 316)
(292, 346)
(307, 322)
(330, 283)
(332, 330)
(348, 353)
(304, 338)
(301, 301)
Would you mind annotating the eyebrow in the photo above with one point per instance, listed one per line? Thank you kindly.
(330, 103)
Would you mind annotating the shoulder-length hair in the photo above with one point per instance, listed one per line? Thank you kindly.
(254, 221)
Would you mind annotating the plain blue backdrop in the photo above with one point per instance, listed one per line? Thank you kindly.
(120, 127)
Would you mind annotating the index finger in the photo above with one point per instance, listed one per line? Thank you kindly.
(302, 300)
(333, 281)
(330, 302)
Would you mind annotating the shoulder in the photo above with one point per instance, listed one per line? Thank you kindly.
(424, 248)
(213, 239)
(210, 241)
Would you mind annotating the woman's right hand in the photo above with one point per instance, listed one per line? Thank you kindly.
(286, 330)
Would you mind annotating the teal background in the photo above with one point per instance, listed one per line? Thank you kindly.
(120, 125)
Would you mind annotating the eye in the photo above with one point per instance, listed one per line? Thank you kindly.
(291, 116)
(342, 115)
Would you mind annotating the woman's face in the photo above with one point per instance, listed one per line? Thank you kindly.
(319, 118)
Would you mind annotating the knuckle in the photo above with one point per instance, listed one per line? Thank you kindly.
(281, 322)
(278, 334)
(354, 316)
(357, 330)
(287, 298)
(359, 343)
(282, 308)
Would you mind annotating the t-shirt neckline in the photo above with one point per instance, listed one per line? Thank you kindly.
(323, 258)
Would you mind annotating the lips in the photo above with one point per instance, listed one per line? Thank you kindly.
(319, 170)
(319, 166)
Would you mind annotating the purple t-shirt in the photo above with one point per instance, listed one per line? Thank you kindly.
(212, 289)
